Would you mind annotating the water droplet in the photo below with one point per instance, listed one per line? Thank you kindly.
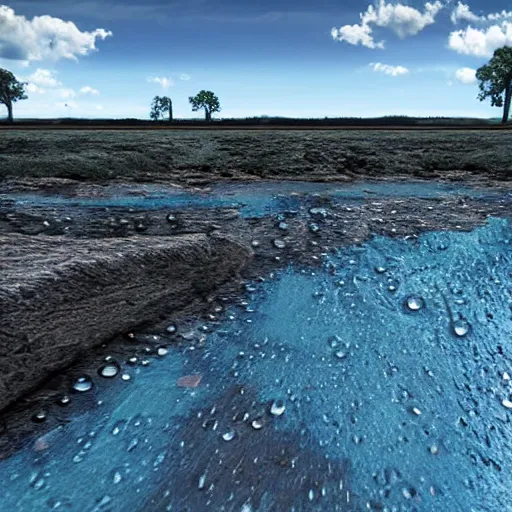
(280, 244)
(126, 377)
(507, 403)
(39, 417)
(229, 435)
(314, 228)
(117, 477)
(416, 411)
(340, 354)
(109, 370)
(334, 341)
(380, 270)
(83, 384)
(202, 481)
(132, 361)
(64, 400)
(434, 450)
(277, 408)
(171, 218)
(461, 327)
(258, 423)
(133, 444)
(162, 351)
(311, 495)
(171, 329)
(415, 303)
(255, 243)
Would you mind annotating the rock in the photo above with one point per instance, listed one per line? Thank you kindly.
(61, 296)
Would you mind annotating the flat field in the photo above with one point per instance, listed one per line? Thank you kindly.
(198, 157)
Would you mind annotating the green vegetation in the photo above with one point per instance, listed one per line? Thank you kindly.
(495, 80)
(160, 106)
(205, 100)
(11, 90)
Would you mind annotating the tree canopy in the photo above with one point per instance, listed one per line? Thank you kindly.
(205, 100)
(160, 106)
(11, 90)
(495, 80)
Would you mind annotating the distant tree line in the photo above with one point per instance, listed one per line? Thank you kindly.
(161, 107)
(494, 81)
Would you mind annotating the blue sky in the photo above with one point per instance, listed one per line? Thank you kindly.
(94, 58)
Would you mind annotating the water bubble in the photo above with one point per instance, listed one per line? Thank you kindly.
(132, 361)
(109, 370)
(83, 384)
(162, 351)
(415, 303)
(229, 435)
(258, 423)
(126, 377)
(380, 270)
(279, 244)
(171, 329)
(39, 417)
(277, 408)
(340, 354)
(461, 327)
(64, 400)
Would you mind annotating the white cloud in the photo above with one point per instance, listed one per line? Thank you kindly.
(44, 78)
(33, 88)
(44, 37)
(184, 76)
(403, 20)
(163, 81)
(389, 70)
(463, 13)
(466, 75)
(99, 107)
(89, 90)
(67, 93)
(481, 42)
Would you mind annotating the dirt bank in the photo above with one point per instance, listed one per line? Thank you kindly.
(202, 157)
(61, 296)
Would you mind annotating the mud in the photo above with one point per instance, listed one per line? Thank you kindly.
(61, 296)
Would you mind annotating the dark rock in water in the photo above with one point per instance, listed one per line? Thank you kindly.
(61, 296)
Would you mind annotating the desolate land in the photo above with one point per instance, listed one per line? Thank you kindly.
(188, 157)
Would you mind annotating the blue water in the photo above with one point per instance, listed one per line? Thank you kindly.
(384, 406)
(253, 199)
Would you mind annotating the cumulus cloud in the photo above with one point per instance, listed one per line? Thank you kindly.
(481, 42)
(466, 75)
(89, 90)
(463, 12)
(389, 70)
(44, 37)
(33, 88)
(43, 78)
(163, 81)
(401, 19)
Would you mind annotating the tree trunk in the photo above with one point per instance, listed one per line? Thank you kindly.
(10, 119)
(170, 113)
(506, 106)
(207, 114)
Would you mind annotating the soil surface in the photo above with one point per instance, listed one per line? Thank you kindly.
(203, 157)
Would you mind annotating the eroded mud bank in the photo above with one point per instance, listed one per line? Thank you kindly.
(61, 296)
